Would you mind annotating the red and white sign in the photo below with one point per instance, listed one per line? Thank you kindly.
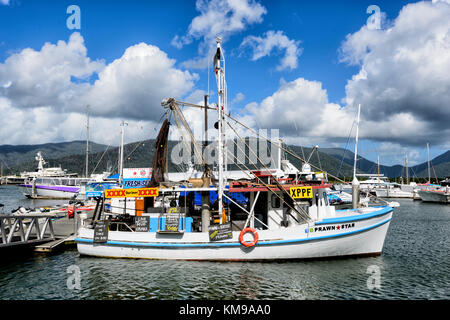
(137, 173)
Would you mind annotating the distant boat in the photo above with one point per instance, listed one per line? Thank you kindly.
(440, 195)
(41, 171)
(52, 187)
(50, 183)
(54, 183)
(393, 190)
(445, 183)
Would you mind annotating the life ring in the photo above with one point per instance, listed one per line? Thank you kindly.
(255, 237)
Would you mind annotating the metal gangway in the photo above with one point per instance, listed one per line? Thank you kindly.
(26, 229)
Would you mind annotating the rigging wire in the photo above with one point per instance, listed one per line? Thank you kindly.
(345, 150)
(279, 186)
(296, 156)
(98, 162)
(268, 187)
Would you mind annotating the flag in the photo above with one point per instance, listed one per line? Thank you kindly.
(216, 57)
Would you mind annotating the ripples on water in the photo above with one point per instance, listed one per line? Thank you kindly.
(415, 264)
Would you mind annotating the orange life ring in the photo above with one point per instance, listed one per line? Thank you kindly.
(255, 237)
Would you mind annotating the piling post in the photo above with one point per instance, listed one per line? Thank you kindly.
(355, 193)
(75, 216)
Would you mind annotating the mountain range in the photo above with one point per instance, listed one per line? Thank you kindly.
(71, 156)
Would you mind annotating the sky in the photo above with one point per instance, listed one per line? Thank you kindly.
(299, 67)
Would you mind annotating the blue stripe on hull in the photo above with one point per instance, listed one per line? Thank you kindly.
(365, 216)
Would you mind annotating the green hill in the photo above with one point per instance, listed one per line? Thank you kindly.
(71, 156)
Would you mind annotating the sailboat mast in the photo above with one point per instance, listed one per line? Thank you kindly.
(407, 171)
(87, 143)
(355, 182)
(218, 70)
(356, 142)
(378, 165)
(123, 124)
(428, 157)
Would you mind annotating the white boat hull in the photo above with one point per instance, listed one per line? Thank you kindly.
(355, 235)
(393, 193)
(40, 193)
(434, 196)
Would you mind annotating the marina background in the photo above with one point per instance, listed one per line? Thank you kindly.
(138, 154)
(415, 264)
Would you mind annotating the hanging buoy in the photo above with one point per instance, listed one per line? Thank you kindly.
(70, 212)
(255, 237)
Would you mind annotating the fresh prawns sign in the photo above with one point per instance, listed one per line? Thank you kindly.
(131, 193)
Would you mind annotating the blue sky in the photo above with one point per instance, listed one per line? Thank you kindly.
(317, 30)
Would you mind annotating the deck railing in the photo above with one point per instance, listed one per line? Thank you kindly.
(25, 229)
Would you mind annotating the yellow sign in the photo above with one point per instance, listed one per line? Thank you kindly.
(301, 192)
(131, 193)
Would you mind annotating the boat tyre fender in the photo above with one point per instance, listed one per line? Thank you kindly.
(255, 237)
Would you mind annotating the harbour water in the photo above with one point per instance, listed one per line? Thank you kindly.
(415, 264)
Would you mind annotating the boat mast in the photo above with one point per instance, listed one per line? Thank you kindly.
(87, 143)
(41, 161)
(356, 142)
(428, 157)
(406, 165)
(378, 165)
(122, 129)
(220, 77)
(355, 182)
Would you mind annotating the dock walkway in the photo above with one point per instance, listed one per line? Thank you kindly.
(43, 233)
(29, 230)
(55, 245)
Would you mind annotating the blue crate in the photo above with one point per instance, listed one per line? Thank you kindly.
(158, 224)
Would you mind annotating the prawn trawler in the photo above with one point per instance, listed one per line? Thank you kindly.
(264, 216)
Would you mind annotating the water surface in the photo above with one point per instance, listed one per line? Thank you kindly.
(415, 264)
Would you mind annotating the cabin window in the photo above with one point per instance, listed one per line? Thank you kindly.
(275, 201)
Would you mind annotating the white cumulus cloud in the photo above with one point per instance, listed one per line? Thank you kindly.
(274, 41)
(134, 85)
(404, 79)
(46, 91)
(217, 18)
